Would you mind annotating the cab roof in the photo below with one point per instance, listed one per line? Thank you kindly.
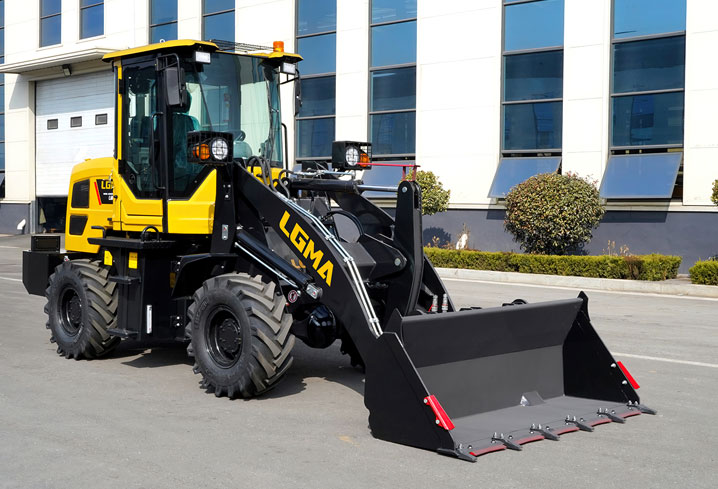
(203, 45)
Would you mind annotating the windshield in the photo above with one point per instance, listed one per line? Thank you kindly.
(237, 94)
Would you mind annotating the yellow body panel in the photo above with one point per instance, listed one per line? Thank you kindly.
(98, 172)
(257, 171)
(196, 214)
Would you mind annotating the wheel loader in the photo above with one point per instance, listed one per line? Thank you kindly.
(197, 230)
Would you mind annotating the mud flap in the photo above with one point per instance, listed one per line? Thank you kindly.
(471, 382)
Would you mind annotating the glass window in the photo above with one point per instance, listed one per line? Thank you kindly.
(650, 119)
(163, 11)
(318, 96)
(393, 89)
(316, 16)
(50, 7)
(533, 126)
(633, 18)
(533, 25)
(319, 53)
(163, 20)
(219, 26)
(314, 137)
(513, 171)
(643, 176)
(50, 25)
(393, 44)
(384, 176)
(392, 10)
(533, 76)
(164, 32)
(393, 133)
(654, 64)
(92, 18)
(139, 104)
(212, 6)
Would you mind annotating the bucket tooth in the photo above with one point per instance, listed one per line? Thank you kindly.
(610, 415)
(645, 409)
(506, 441)
(460, 452)
(544, 431)
(579, 423)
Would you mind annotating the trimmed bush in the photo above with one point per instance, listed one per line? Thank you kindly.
(433, 196)
(636, 267)
(552, 214)
(714, 196)
(704, 272)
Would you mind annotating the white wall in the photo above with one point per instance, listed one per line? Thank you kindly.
(458, 106)
(458, 82)
(352, 96)
(700, 162)
(586, 97)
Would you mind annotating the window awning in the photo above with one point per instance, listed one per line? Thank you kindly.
(641, 176)
(23, 67)
(513, 171)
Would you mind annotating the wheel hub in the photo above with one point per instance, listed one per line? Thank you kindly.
(70, 311)
(224, 338)
(229, 336)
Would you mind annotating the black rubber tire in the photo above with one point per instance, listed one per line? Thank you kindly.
(79, 288)
(256, 313)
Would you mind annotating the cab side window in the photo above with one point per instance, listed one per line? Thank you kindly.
(139, 104)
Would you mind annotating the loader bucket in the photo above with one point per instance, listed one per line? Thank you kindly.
(472, 382)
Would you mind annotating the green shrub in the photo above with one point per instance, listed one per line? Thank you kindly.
(658, 267)
(637, 267)
(433, 196)
(704, 272)
(552, 214)
(714, 196)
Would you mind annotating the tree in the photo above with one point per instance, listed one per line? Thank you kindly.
(714, 197)
(433, 196)
(553, 214)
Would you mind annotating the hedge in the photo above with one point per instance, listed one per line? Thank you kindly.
(636, 267)
(704, 273)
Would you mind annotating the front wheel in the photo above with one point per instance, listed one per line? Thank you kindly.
(239, 335)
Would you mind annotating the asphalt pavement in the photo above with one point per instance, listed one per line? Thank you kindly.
(138, 419)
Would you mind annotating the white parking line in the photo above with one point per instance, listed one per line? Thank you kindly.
(11, 279)
(667, 360)
(600, 291)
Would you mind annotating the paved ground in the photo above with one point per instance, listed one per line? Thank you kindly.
(138, 419)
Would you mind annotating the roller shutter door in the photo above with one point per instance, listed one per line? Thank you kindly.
(73, 122)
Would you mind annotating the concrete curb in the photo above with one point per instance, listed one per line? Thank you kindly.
(606, 284)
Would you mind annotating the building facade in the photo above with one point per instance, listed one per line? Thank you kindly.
(484, 93)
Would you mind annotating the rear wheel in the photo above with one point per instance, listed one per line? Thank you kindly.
(239, 335)
(81, 307)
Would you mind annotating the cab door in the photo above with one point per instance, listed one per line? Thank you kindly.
(139, 187)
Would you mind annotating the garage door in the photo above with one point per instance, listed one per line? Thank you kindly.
(73, 122)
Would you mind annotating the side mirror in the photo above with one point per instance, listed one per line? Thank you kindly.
(175, 87)
(297, 94)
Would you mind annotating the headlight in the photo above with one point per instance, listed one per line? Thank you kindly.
(352, 155)
(220, 150)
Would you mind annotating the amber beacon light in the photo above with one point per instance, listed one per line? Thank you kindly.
(278, 46)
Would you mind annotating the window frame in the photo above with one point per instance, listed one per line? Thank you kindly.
(387, 157)
(84, 9)
(45, 17)
(218, 12)
(536, 152)
(329, 74)
(613, 94)
(151, 25)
